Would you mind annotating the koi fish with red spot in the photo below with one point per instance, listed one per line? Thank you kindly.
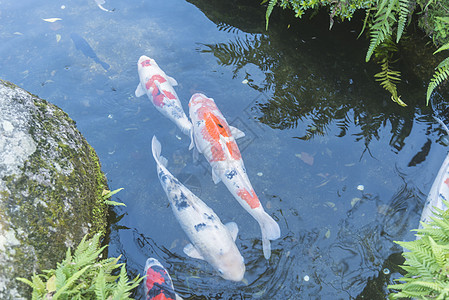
(158, 86)
(158, 283)
(214, 138)
(210, 239)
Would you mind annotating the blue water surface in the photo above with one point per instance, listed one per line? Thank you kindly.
(330, 156)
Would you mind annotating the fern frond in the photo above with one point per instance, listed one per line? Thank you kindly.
(444, 47)
(403, 13)
(388, 79)
(381, 28)
(70, 282)
(100, 286)
(122, 291)
(270, 7)
(441, 74)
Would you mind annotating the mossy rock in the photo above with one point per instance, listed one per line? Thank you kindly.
(51, 188)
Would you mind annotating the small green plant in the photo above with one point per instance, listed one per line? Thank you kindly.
(427, 263)
(108, 194)
(83, 275)
(441, 73)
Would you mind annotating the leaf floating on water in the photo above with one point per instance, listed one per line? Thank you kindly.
(354, 201)
(328, 234)
(330, 204)
(305, 157)
(52, 20)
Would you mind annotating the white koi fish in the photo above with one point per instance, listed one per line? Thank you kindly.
(159, 88)
(211, 240)
(439, 190)
(216, 140)
(158, 283)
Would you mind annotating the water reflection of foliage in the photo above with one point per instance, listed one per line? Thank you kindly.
(302, 92)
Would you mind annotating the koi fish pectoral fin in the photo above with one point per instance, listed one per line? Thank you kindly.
(266, 247)
(178, 298)
(139, 91)
(236, 133)
(233, 229)
(172, 81)
(191, 251)
(215, 177)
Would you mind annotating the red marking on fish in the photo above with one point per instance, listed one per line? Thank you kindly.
(158, 284)
(234, 150)
(158, 97)
(146, 63)
(150, 82)
(250, 197)
(169, 95)
(447, 181)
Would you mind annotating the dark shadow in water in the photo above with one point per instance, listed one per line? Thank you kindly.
(318, 77)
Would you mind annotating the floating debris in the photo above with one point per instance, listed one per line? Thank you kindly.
(350, 165)
(178, 137)
(245, 81)
(306, 278)
(330, 204)
(386, 271)
(62, 6)
(260, 174)
(110, 116)
(305, 157)
(360, 187)
(328, 234)
(18, 33)
(58, 38)
(354, 201)
(52, 20)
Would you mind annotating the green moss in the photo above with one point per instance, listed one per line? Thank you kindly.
(55, 199)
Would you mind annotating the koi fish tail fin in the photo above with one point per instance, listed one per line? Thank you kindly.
(156, 149)
(270, 231)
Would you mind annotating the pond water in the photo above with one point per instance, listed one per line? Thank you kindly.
(343, 169)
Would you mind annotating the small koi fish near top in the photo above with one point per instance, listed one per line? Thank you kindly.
(158, 283)
(83, 45)
(158, 86)
(211, 240)
(216, 140)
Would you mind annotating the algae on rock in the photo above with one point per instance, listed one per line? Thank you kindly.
(51, 187)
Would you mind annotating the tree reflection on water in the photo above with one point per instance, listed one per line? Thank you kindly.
(319, 78)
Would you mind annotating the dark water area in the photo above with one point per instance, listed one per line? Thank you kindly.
(343, 169)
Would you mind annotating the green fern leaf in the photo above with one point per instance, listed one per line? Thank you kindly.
(270, 7)
(403, 13)
(441, 74)
(381, 28)
(70, 282)
(100, 286)
(444, 47)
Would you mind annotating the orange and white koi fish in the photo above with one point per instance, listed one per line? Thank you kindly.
(216, 140)
(159, 88)
(210, 239)
(158, 283)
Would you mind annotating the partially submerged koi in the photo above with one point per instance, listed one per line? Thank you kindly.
(216, 140)
(158, 284)
(158, 86)
(210, 239)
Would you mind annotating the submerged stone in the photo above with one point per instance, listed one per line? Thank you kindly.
(50, 188)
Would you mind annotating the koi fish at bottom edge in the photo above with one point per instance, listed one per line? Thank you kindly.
(158, 283)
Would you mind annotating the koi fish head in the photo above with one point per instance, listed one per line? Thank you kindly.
(145, 61)
(199, 100)
(230, 264)
(158, 284)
